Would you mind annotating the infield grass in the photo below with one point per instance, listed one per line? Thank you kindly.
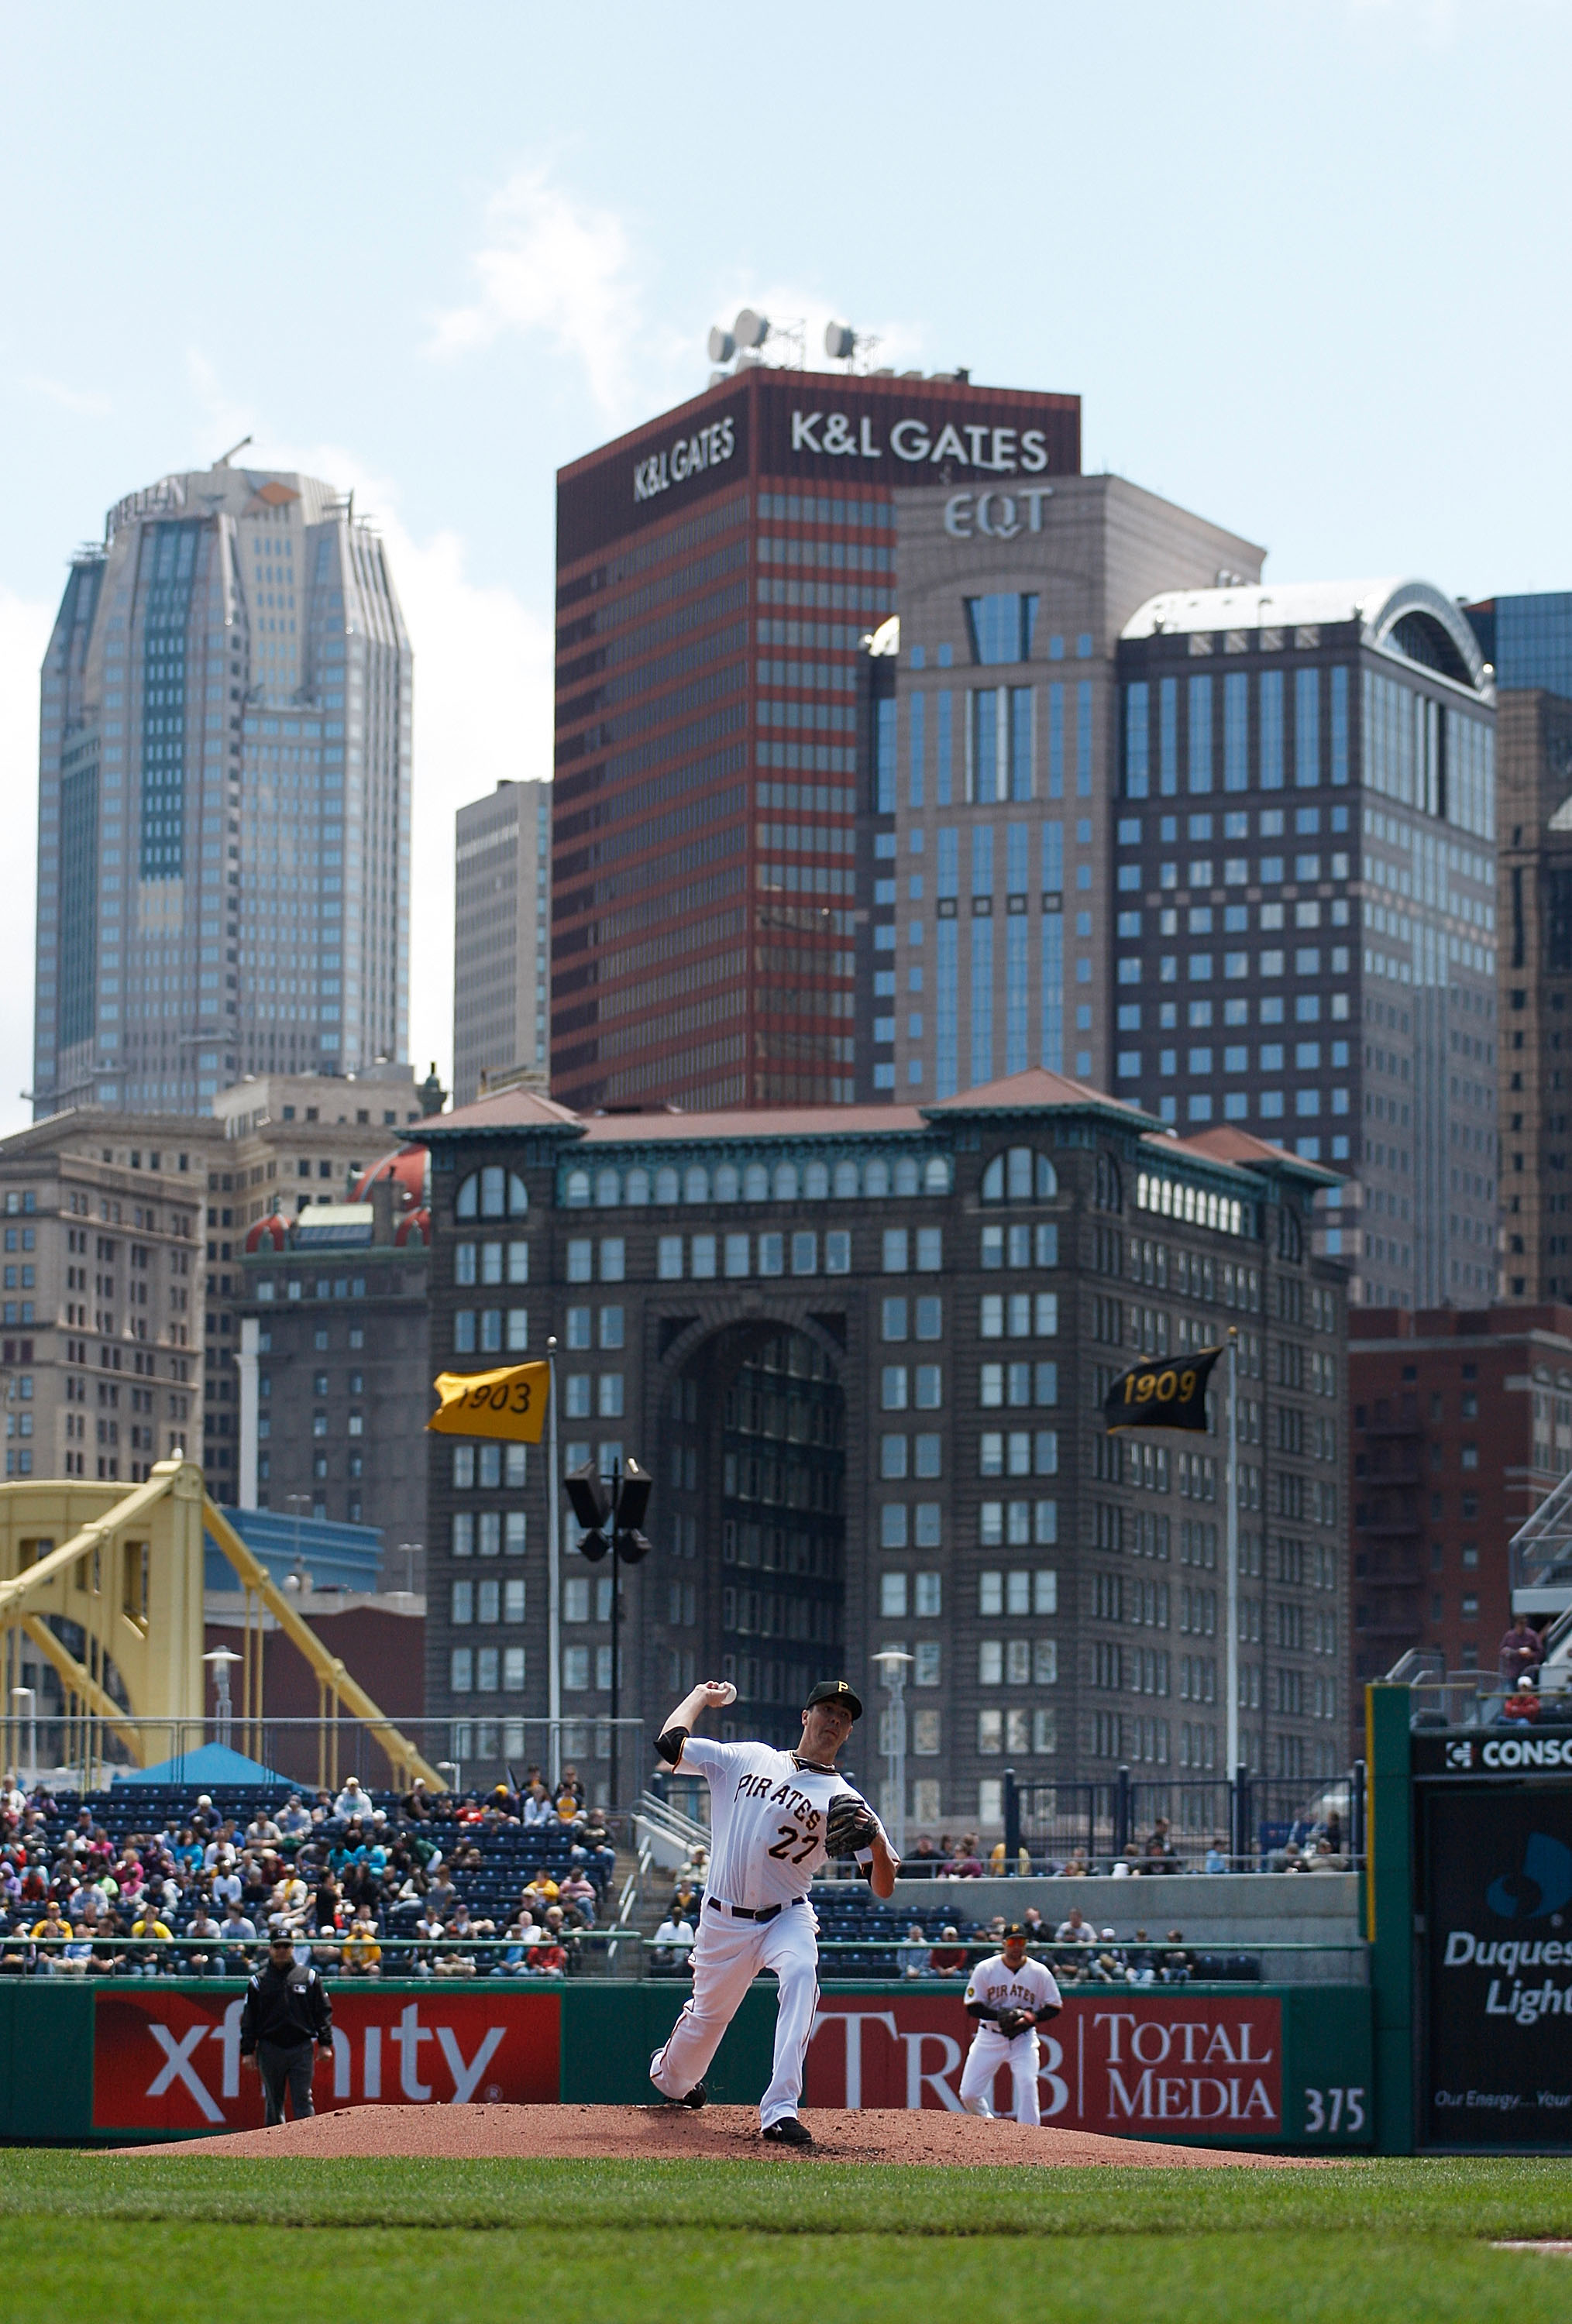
(721, 2243)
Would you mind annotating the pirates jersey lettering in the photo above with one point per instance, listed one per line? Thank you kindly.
(1031, 1987)
(766, 1821)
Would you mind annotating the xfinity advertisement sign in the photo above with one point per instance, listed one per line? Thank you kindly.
(1498, 1938)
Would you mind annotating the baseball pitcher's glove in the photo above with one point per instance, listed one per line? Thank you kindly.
(849, 1825)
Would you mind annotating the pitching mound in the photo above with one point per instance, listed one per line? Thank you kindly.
(668, 2134)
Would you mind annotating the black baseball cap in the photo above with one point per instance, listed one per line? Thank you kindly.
(835, 1690)
(1013, 1929)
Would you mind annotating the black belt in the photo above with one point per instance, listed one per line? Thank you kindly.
(744, 1913)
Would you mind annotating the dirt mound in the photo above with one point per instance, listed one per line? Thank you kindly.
(666, 2134)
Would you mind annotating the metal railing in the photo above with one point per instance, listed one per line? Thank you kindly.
(1249, 1823)
(309, 1754)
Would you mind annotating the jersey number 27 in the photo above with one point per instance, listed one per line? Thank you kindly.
(790, 1836)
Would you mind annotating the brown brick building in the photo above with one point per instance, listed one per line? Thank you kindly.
(1462, 1422)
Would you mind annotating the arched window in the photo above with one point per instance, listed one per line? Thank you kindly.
(876, 1178)
(1289, 1242)
(936, 1175)
(696, 1185)
(1107, 1193)
(637, 1189)
(727, 1183)
(494, 1193)
(785, 1182)
(608, 1189)
(816, 1182)
(756, 1182)
(906, 1173)
(577, 1190)
(1020, 1174)
(846, 1179)
(666, 1185)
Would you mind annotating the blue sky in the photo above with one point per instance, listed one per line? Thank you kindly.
(1306, 267)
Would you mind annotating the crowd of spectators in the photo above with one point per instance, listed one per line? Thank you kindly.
(366, 1887)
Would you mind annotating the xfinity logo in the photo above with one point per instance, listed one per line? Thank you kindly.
(691, 456)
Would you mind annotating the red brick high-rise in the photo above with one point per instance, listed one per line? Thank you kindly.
(720, 721)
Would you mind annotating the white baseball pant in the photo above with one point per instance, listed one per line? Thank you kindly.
(727, 1958)
(988, 2052)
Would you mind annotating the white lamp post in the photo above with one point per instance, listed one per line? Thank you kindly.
(32, 1733)
(892, 1667)
(220, 1658)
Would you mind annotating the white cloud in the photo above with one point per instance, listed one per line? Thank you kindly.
(556, 266)
(88, 403)
(25, 627)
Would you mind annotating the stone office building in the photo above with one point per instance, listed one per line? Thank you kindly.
(863, 1350)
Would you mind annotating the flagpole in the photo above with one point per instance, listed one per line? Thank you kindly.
(1233, 1762)
(553, 1576)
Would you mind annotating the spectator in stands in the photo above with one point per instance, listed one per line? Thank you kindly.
(964, 1863)
(352, 1804)
(1522, 1707)
(686, 1899)
(521, 1939)
(1033, 1922)
(235, 1931)
(548, 1958)
(261, 1829)
(670, 1955)
(948, 1957)
(1159, 1853)
(204, 1961)
(569, 1785)
(154, 1961)
(361, 1955)
(1522, 1650)
(1174, 1964)
(50, 1935)
(1074, 1866)
(592, 1848)
(541, 1890)
(1127, 1864)
(539, 1807)
(1074, 1928)
(924, 1860)
(76, 1961)
(576, 1893)
(417, 1802)
(1217, 1855)
(293, 1823)
(441, 1894)
(915, 1955)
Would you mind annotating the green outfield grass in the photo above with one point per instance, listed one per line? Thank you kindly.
(712, 2243)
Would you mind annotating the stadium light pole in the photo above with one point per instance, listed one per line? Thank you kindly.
(611, 1509)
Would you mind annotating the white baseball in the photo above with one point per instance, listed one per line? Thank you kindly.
(724, 1692)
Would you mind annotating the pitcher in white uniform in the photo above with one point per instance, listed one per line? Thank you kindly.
(771, 1830)
(1010, 1997)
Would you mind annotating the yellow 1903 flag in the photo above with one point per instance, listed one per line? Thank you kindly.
(511, 1403)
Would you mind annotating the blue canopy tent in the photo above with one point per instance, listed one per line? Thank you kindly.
(210, 1765)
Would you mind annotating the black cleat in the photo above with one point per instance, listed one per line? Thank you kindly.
(789, 2132)
(695, 2097)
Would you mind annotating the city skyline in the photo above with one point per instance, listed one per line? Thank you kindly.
(470, 325)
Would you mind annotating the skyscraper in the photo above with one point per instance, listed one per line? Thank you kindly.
(224, 797)
(502, 928)
(1304, 906)
(718, 571)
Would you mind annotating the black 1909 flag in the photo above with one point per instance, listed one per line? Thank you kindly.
(1171, 1395)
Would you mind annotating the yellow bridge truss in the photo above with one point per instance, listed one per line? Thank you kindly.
(125, 1569)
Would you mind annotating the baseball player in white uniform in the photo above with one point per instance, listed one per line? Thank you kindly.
(1010, 1997)
(774, 1818)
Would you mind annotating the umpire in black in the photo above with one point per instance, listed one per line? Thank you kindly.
(286, 2011)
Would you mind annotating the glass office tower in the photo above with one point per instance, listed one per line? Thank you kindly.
(1304, 906)
(224, 798)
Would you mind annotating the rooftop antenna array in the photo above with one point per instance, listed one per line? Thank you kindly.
(743, 347)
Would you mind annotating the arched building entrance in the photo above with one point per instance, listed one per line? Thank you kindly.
(753, 1428)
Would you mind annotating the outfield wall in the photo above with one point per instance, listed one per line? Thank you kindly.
(1269, 2066)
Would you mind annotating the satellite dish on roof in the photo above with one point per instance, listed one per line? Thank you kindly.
(722, 346)
(751, 329)
(839, 340)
